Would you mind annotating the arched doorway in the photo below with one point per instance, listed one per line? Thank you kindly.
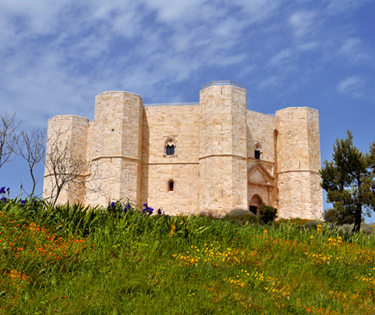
(255, 202)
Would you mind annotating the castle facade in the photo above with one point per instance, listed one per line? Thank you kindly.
(214, 156)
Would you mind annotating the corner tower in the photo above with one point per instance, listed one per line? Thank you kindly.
(223, 148)
(117, 147)
(67, 139)
(298, 163)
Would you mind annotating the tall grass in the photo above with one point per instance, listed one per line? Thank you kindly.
(77, 260)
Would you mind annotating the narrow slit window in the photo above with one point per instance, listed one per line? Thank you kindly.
(257, 151)
(171, 185)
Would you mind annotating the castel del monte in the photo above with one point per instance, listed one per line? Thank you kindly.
(208, 157)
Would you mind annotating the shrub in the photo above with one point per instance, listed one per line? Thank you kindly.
(267, 213)
(367, 228)
(241, 217)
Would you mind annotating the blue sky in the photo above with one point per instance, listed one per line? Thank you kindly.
(56, 56)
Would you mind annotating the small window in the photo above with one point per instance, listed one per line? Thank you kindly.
(171, 185)
(257, 151)
(170, 147)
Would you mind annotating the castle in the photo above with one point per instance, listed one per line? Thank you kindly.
(213, 156)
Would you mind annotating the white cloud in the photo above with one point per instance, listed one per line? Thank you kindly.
(180, 11)
(308, 46)
(352, 86)
(353, 50)
(282, 58)
(303, 22)
(270, 82)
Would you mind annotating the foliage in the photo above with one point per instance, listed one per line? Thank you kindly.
(119, 260)
(349, 180)
(338, 215)
(267, 213)
(241, 217)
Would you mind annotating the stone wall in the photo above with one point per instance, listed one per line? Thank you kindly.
(67, 139)
(161, 123)
(298, 163)
(116, 148)
(223, 149)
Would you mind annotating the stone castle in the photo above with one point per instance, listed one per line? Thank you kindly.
(210, 157)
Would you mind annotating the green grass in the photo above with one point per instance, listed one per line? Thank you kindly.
(70, 260)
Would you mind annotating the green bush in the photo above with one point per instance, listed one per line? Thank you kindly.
(267, 213)
(241, 217)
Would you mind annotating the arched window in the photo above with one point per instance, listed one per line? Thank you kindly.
(257, 151)
(171, 185)
(170, 147)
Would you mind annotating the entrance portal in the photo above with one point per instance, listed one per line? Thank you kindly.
(255, 202)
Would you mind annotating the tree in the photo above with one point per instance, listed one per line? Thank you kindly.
(65, 170)
(267, 213)
(8, 138)
(339, 215)
(349, 179)
(31, 147)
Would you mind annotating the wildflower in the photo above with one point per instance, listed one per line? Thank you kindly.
(4, 199)
(126, 208)
(2, 190)
(147, 209)
(311, 237)
(159, 211)
(319, 228)
(22, 202)
(173, 228)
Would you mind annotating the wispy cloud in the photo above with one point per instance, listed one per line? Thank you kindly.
(352, 86)
(55, 56)
(303, 22)
(282, 58)
(353, 51)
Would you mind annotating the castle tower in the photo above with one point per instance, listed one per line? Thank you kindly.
(67, 139)
(116, 148)
(222, 156)
(298, 163)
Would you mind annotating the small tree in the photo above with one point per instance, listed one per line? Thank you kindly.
(31, 147)
(267, 213)
(65, 170)
(8, 138)
(349, 179)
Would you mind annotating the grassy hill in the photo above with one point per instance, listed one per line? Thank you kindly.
(69, 260)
